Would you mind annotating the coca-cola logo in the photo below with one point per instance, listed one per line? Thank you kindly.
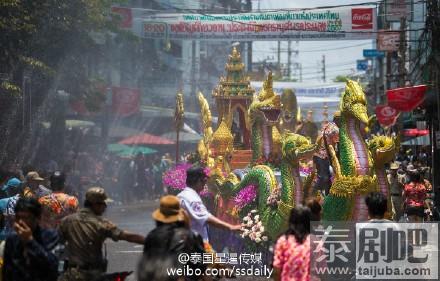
(362, 18)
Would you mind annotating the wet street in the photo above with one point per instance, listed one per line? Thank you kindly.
(123, 256)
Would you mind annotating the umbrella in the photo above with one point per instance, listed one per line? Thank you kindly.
(183, 137)
(135, 150)
(117, 147)
(145, 139)
(72, 123)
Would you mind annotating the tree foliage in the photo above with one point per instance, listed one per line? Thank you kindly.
(341, 78)
(49, 45)
(51, 37)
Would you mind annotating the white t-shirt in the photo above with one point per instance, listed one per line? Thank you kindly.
(193, 204)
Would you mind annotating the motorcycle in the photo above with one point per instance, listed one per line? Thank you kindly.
(116, 276)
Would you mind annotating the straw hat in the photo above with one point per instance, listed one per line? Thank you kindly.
(33, 176)
(394, 166)
(169, 210)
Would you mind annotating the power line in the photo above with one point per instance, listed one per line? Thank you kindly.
(370, 3)
(303, 9)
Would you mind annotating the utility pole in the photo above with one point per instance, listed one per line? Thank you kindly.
(402, 52)
(323, 67)
(279, 56)
(289, 58)
(193, 75)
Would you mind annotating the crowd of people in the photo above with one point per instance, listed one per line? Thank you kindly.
(50, 232)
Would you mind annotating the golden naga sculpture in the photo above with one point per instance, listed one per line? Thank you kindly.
(266, 95)
(179, 111)
(203, 146)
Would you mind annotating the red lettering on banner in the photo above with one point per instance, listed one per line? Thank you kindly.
(362, 18)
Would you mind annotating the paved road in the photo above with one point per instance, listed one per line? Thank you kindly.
(123, 256)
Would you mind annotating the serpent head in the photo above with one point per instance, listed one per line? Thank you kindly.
(383, 149)
(354, 103)
(267, 105)
(295, 147)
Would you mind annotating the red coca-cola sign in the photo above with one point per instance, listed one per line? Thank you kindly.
(406, 99)
(386, 116)
(362, 18)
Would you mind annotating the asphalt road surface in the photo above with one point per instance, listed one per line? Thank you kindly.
(123, 256)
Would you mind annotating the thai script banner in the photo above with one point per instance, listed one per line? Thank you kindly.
(316, 90)
(303, 25)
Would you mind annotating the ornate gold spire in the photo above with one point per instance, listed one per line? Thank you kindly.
(222, 138)
(235, 83)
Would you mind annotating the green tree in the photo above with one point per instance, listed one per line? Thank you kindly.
(50, 45)
(341, 78)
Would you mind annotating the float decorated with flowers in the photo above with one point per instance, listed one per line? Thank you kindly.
(260, 168)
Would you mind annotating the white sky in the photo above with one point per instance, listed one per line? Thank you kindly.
(338, 62)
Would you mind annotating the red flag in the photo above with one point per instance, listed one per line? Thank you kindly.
(125, 101)
(386, 116)
(126, 16)
(406, 99)
(415, 132)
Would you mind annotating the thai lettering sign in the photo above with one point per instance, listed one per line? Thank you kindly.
(388, 41)
(330, 24)
(397, 9)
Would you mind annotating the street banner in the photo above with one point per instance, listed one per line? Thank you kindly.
(126, 101)
(386, 116)
(406, 99)
(388, 41)
(301, 25)
(397, 9)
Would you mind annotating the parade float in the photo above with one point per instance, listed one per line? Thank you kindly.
(254, 157)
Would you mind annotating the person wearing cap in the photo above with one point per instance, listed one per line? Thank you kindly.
(85, 232)
(13, 189)
(192, 203)
(58, 204)
(170, 218)
(171, 237)
(34, 186)
(396, 188)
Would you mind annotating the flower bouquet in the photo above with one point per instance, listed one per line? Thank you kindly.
(253, 230)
